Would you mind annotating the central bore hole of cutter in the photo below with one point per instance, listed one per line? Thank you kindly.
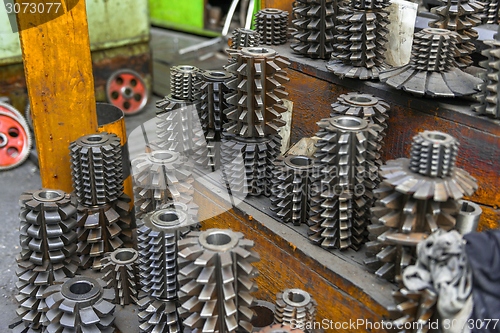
(49, 195)
(80, 288)
(360, 99)
(168, 217)
(437, 137)
(467, 208)
(348, 122)
(94, 138)
(186, 68)
(263, 316)
(125, 255)
(259, 50)
(296, 297)
(218, 239)
(271, 10)
(301, 161)
(162, 156)
(217, 74)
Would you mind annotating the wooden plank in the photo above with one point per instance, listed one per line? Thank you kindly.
(58, 69)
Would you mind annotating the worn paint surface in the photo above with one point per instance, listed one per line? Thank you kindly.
(283, 265)
(58, 71)
(178, 14)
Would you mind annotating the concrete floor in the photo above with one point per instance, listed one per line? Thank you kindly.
(164, 45)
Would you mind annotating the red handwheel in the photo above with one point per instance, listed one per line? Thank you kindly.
(127, 90)
(15, 138)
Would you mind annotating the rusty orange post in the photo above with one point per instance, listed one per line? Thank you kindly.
(58, 70)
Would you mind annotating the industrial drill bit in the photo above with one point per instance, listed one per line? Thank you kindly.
(160, 177)
(459, 16)
(488, 95)
(80, 305)
(183, 82)
(429, 75)
(295, 308)
(349, 155)
(359, 50)
(272, 25)
(315, 24)
(416, 197)
(97, 171)
(364, 106)
(48, 243)
(292, 187)
(257, 105)
(242, 37)
(121, 273)
(246, 163)
(217, 281)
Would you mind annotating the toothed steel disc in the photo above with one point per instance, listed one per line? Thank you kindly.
(183, 81)
(292, 187)
(429, 75)
(348, 154)
(364, 106)
(158, 316)
(246, 163)
(121, 273)
(160, 177)
(97, 170)
(359, 50)
(460, 17)
(80, 305)
(315, 24)
(279, 328)
(158, 251)
(272, 25)
(257, 104)
(295, 308)
(244, 38)
(217, 281)
(416, 309)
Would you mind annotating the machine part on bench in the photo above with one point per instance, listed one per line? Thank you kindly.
(468, 217)
(246, 163)
(160, 177)
(296, 308)
(15, 138)
(102, 229)
(417, 196)
(427, 76)
(359, 50)
(80, 305)
(128, 91)
(364, 106)
(217, 281)
(348, 155)
(97, 171)
(292, 187)
(459, 16)
(183, 82)
(279, 328)
(158, 251)
(121, 273)
(48, 245)
(158, 315)
(272, 25)
(488, 89)
(315, 24)
(242, 37)
(257, 104)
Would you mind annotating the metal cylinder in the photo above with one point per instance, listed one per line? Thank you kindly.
(468, 217)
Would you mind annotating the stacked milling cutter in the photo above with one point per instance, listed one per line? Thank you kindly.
(158, 237)
(216, 281)
(348, 153)
(295, 308)
(252, 142)
(272, 25)
(488, 95)
(105, 220)
(48, 246)
(315, 24)
(416, 197)
(359, 49)
(177, 122)
(242, 37)
(432, 70)
(215, 87)
(161, 177)
(461, 17)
